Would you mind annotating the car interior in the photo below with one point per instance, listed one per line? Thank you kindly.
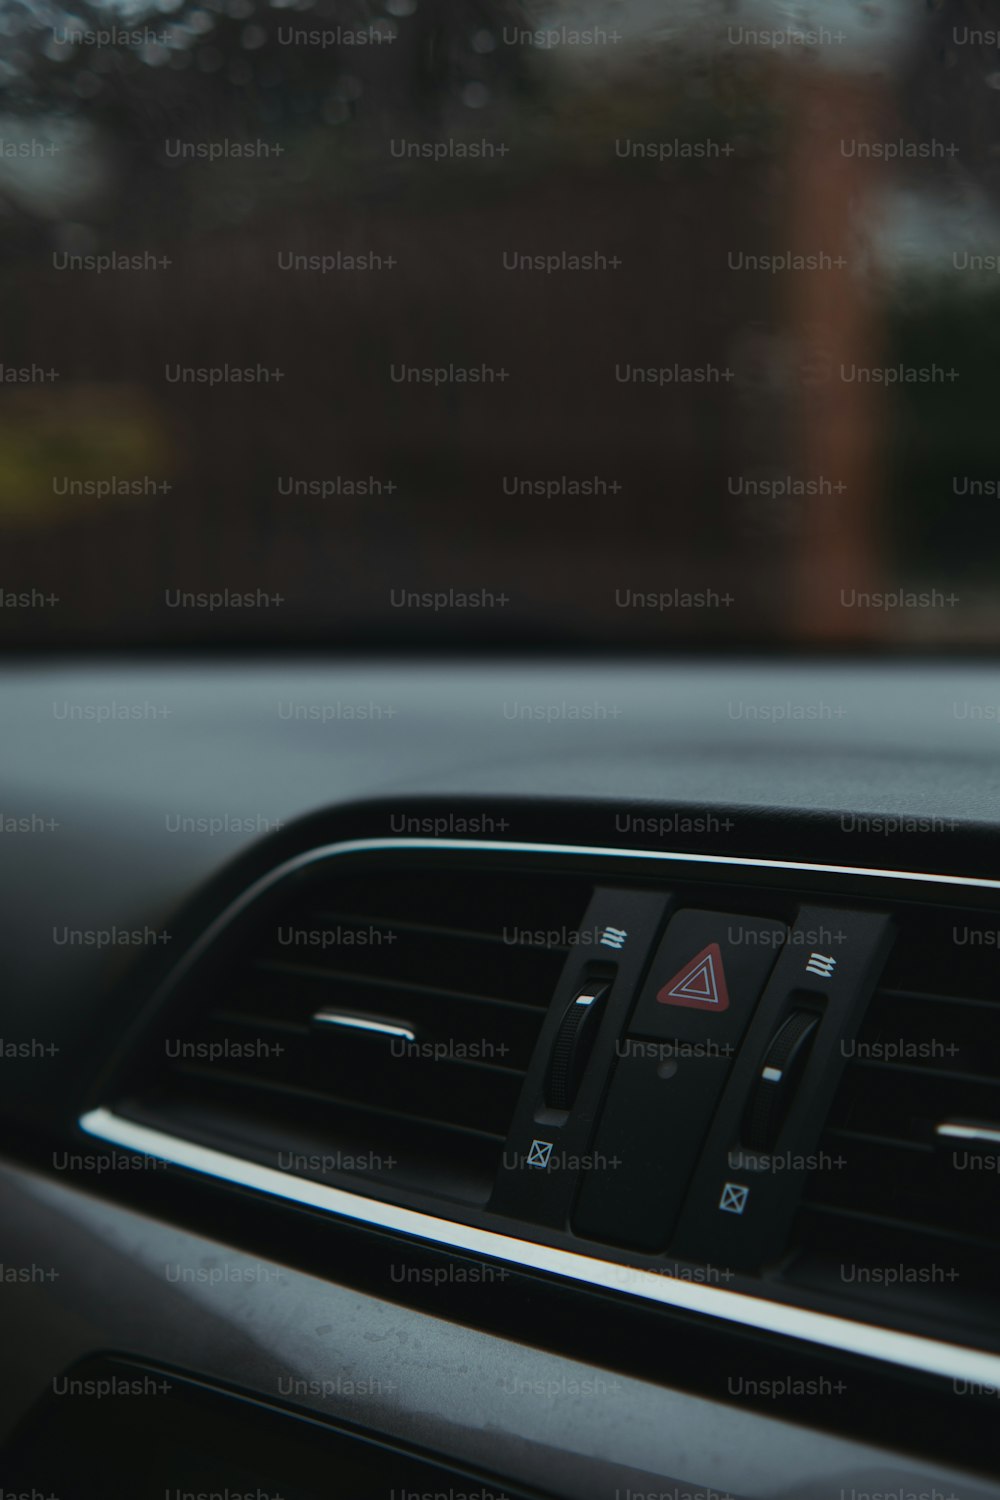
(500, 770)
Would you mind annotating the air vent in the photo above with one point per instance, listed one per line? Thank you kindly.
(375, 1024)
(402, 1020)
(906, 1204)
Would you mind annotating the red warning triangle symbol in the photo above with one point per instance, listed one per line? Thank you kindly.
(701, 984)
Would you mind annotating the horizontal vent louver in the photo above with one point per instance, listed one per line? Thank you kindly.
(905, 1203)
(377, 1025)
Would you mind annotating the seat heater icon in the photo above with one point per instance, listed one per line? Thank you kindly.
(539, 1153)
(734, 1198)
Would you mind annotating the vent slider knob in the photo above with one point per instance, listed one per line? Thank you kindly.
(572, 1045)
(779, 1073)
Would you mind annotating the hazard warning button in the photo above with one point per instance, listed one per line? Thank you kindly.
(701, 984)
(707, 977)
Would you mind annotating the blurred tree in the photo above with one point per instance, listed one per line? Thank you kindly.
(204, 70)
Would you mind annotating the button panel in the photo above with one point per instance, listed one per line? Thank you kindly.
(660, 1087)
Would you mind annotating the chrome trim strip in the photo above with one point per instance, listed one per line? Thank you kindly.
(967, 1130)
(362, 1023)
(952, 1361)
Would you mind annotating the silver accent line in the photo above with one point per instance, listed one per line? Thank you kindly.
(968, 1130)
(951, 1360)
(362, 1023)
(938, 1358)
(374, 846)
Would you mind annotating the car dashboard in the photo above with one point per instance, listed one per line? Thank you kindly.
(526, 1078)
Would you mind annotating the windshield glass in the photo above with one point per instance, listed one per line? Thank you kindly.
(363, 322)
